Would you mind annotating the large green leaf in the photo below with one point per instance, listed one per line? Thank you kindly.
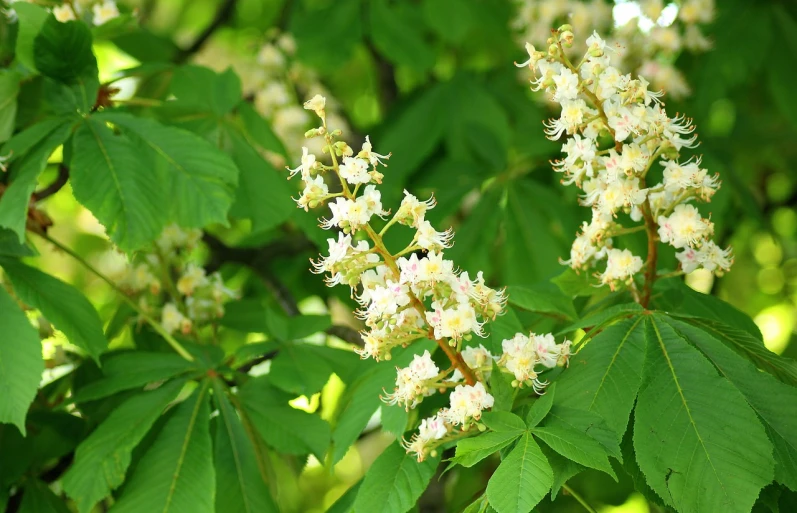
(283, 427)
(471, 451)
(110, 179)
(543, 298)
(240, 487)
(398, 37)
(36, 144)
(699, 444)
(37, 497)
(201, 179)
(394, 482)
(262, 195)
(9, 88)
(21, 363)
(605, 375)
(63, 51)
(576, 446)
(61, 304)
(101, 460)
(176, 474)
(751, 347)
(775, 402)
(132, 369)
(258, 130)
(521, 480)
(31, 18)
(204, 89)
(299, 369)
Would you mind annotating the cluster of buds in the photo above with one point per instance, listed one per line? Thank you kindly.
(99, 11)
(647, 43)
(411, 294)
(168, 286)
(617, 130)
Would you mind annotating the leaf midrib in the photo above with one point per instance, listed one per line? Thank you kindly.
(686, 406)
(611, 363)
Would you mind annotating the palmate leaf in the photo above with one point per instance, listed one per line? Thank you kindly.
(61, 304)
(102, 459)
(21, 363)
(605, 375)
(773, 401)
(176, 474)
(471, 451)
(576, 446)
(697, 441)
(132, 369)
(240, 487)
(110, 179)
(201, 178)
(521, 480)
(394, 482)
(30, 150)
(280, 425)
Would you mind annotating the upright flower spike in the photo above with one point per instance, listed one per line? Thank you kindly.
(613, 176)
(414, 293)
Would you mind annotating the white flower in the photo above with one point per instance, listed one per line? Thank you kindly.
(684, 227)
(621, 265)
(308, 164)
(104, 12)
(63, 13)
(373, 157)
(315, 191)
(316, 104)
(430, 430)
(467, 403)
(172, 319)
(412, 210)
(430, 239)
(354, 170)
(192, 278)
(413, 383)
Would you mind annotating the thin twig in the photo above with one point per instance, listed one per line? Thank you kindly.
(578, 498)
(55, 186)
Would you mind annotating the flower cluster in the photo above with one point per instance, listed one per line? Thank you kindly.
(168, 286)
(617, 130)
(412, 294)
(101, 12)
(648, 42)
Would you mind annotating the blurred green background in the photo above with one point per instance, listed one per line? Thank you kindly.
(432, 81)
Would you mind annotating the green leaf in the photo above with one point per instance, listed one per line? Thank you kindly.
(258, 130)
(21, 363)
(110, 179)
(10, 245)
(19, 145)
(397, 37)
(201, 178)
(751, 347)
(283, 427)
(176, 474)
(501, 389)
(563, 469)
(9, 88)
(132, 369)
(37, 497)
(240, 487)
(773, 401)
(503, 421)
(587, 422)
(534, 235)
(61, 303)
(575, 445)
(596, 320)
(203, 88)
(522, 480)
(541, 406)
(451, 20)
(605, 375)
(346, 501)
(262, 195)
(78, 97)
(26, 170)
(696, 439)
(543, 298)
(503, 328)
(299, 369)
(63, 51)
(394, 419)
(394, 482)
(471, 451)
(574, 284)
(102, 459)
(31, 18)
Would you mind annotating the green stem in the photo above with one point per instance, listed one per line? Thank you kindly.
(152, 322)
(579, 498)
